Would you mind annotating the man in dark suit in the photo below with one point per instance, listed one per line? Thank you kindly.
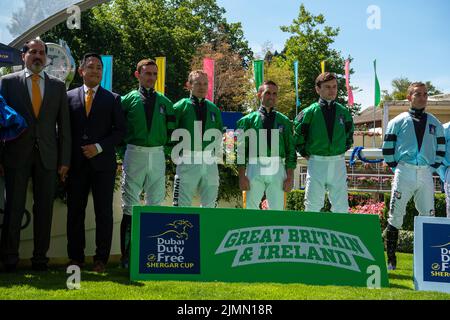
(41, 152)
(98, 125)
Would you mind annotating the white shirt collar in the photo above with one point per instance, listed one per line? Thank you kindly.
(86, 88)
(29, 73)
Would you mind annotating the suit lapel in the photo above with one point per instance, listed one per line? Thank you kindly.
(82, 101)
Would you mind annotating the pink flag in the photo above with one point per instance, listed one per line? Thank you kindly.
(347, 83)
(208, 68)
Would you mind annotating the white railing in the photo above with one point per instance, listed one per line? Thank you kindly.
(377, 179)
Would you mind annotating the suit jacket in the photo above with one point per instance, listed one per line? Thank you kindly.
(105, 125)
(50, 131)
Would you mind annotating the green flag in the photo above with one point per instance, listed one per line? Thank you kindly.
(258, 70)
(377, 86)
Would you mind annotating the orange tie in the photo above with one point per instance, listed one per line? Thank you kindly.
(36, 98)
(88, 102)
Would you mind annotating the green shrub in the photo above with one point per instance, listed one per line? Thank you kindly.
(295, 200)
(411, 212)
(358, 198)
(405, 241)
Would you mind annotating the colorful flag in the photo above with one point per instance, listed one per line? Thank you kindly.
(297, 99)
(107, 72)
(322, 64)
(258, 70)
(208, 68)
(161, 81)
(377, 86)
(347, 83)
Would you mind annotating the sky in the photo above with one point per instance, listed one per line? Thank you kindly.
(7, 7)
(413, 40)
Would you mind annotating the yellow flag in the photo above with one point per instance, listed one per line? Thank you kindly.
(322, 64)
(161, 82)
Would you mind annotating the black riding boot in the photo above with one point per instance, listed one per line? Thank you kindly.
(391, 246)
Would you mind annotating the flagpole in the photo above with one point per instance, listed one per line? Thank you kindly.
(297, 100)
(377, 98)
(374, 123)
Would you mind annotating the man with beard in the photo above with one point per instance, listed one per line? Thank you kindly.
(41, 152)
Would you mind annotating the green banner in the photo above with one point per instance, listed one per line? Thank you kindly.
(377, 86)
(258, 71)
(236, 245)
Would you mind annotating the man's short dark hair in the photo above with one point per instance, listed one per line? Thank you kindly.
(145, 62)
(90, 55)
(415, 85)
(26, 46)
(267, 83)
(325, 77)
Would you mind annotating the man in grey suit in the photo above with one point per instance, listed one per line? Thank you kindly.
(41, 152)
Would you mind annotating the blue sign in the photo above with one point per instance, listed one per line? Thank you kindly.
(170, 243)
(432, 254)
(230, 119)
(6, 56)
(436, 257)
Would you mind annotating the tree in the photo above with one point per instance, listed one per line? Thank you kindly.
(233, 34)
(310, 44)
(214, 27)
(131, 30)
(231, 79)
(278, 70)
(400, 89)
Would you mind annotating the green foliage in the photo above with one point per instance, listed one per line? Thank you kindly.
(5, 70)
(277, 69)
(131, 30)
(411, 211)
(232, 81)
(295, 200)
(405, 241)
(358, 198)
(229, 183)
(310, 44)
(400, 89)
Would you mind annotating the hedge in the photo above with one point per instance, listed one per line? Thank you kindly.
(295, 200)
(411, 212)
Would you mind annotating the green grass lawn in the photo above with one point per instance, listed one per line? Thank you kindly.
(115, 284)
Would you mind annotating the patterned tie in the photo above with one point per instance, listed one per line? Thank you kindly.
(88, 102)
(36, 98)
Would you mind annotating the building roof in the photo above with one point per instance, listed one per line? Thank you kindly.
(440, 97)
(366, 116)
(435, 103)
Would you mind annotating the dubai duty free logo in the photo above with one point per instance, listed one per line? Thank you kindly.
(436, 252)
(271, 244)
(170, 243)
